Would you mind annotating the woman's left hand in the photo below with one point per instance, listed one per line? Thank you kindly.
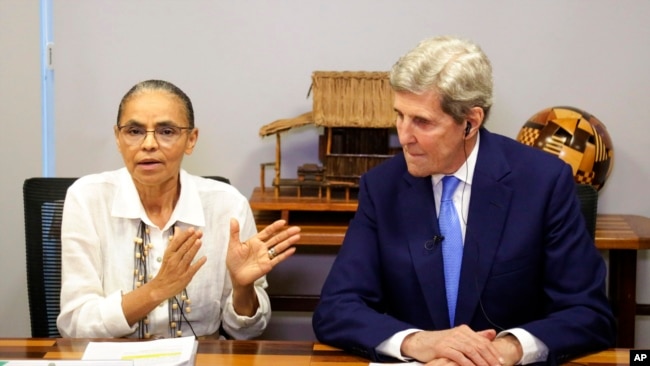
(249, 260)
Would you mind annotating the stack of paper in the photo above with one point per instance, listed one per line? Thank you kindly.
(160, 352)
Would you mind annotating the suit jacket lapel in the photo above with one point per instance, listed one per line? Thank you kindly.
(487, 215)
(417, 202)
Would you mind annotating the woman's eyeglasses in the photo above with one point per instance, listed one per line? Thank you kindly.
(164, 135)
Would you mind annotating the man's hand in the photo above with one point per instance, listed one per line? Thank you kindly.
(509, 348)
(460, 345)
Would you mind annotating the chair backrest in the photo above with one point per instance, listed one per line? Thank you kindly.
(588, 197)
(43, 205)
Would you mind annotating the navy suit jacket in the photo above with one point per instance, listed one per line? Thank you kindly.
(528, 259)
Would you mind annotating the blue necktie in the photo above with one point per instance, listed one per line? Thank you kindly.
(452, 245)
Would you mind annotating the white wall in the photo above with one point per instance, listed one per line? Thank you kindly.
(247, 63)
(20, 150)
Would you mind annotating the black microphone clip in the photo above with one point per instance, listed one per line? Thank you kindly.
(430, 244)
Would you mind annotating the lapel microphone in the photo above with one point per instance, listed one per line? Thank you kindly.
(430, 244)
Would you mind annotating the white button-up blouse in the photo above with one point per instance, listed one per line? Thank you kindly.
(101, 216)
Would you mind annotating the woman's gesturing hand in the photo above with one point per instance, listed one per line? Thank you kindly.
(249, 260)
(177, 269)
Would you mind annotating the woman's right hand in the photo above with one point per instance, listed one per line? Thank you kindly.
(177, 269)
(176, 272)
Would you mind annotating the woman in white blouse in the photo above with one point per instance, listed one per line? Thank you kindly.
(152, 251)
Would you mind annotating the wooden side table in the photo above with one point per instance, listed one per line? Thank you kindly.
(324, 223)
(624, 236)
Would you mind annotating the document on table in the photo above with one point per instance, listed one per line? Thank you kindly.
(160, 352)
(414, 363)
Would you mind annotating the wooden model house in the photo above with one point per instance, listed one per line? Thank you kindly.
(356, 112)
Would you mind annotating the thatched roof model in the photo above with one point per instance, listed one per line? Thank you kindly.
(344, 99)
(352, 99)
(286, 124)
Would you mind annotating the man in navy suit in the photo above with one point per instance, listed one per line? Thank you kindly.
(532, 284)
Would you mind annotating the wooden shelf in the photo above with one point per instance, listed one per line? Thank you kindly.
(322, 221)
(308, 201)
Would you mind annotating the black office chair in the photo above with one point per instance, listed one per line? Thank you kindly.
(588, 197)
(43, 204)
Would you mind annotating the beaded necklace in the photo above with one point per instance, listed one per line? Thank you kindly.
(177, 305)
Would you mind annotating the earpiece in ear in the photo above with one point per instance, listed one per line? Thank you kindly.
(468, 128)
